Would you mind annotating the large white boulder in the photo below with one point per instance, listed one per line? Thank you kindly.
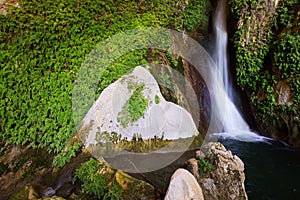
(160, 118)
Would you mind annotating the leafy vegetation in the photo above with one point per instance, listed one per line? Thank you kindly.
(267, 52)
(94, 183)
(134, 108)
(65, 156)
(196, 14)
(204, 166)
(286, 55)
(42, 46)
(157, 99)
(140, 145)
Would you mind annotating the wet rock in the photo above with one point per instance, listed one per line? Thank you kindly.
(183, 186)
(194, 61)
(129, 184)
(65, 190)
(139, 188)
(226, 180)
(27, 193)
(22, 166)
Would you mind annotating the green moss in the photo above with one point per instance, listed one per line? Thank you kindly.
(195, 14)
(65, 156)
(94, 183)
(204, 166)
(286, 55)
(267, 51)
(42, 46)
(134, 107)
(140, 145)
(157, 99)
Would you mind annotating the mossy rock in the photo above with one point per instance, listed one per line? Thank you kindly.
(27, 193)
(130, 186)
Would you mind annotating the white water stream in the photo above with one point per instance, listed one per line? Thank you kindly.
(234, 125)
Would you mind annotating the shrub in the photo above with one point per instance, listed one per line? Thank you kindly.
(94, 183)
(204, 166)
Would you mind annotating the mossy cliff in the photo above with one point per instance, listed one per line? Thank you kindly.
(266, 42)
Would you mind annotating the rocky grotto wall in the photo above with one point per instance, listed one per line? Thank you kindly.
(265, 40)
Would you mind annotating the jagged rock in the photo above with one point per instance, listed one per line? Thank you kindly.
(226, 180)
(209, 187)
(183, 186)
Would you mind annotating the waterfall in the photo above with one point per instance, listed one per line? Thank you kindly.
(233, 123)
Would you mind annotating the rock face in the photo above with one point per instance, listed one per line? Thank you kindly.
(226, 179)
(161, 118)
(192, 166)
(27, 193)
(130, 111)
(183, 186)
(129, 184)
(266, 44)
(19, 167)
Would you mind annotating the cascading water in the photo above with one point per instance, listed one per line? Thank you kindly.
(267, 162)
(233, 123)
